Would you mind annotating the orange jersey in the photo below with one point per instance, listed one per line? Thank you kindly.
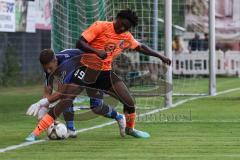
(101, 35)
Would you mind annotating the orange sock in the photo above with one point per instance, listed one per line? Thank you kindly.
(46, 121)
(130, 120)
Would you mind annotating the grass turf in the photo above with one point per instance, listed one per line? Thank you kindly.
(211, 132)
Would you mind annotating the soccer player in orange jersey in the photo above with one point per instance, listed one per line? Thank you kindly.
(101, 43)
(104, 41)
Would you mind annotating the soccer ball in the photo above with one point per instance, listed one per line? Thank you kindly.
(57, 131)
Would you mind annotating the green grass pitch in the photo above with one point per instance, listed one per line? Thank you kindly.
(206, 129)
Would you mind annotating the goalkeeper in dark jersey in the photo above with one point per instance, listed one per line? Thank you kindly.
(60, 67)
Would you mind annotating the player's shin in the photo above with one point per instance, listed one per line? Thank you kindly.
(130, 120)
(68, 115)
(130, 116)
(69, 119)
(46, 121)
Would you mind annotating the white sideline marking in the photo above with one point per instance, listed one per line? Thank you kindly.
(19, 146)
(13, 147)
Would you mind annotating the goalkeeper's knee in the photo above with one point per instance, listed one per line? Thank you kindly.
(98, 107)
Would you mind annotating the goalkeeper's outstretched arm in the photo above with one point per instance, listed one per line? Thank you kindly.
(48, 98)
(150, 52)
(52, 97)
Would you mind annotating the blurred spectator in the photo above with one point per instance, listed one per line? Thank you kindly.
(195, 43)
(204, 46)
(177, 44)
(225, 46)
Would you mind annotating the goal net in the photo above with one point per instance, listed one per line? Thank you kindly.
(145, 76)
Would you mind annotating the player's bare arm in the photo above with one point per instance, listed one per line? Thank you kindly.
(53, 97)
(47, 91)
(150, 52)
(83, 45)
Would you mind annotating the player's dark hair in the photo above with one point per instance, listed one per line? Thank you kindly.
(129, 15)
(46, 56)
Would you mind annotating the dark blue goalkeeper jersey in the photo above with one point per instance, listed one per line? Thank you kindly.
(68, 62)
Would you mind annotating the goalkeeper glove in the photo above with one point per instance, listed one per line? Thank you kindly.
(42, 112)
(34, 108)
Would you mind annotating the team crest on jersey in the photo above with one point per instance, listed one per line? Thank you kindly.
(124, 44)
(110, 47)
